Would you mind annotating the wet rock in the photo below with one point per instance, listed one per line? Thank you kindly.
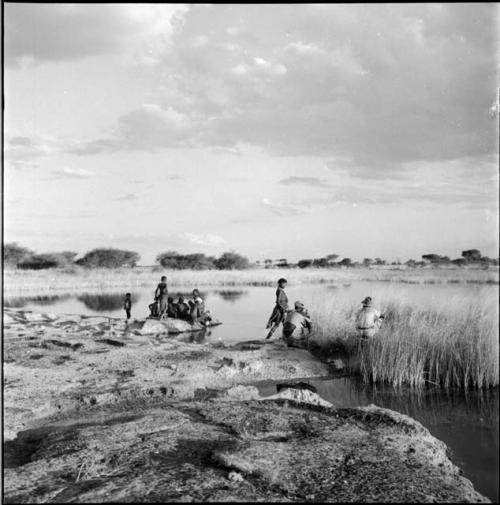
(241, 392)
(296, 385)
(112, 342)
(300, 396)
(235, 477)
(33, 317)
(338, 364)
(68, 318)
(94, 321)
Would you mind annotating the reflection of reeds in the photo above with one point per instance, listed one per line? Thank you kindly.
(79, 280)
(449, 343)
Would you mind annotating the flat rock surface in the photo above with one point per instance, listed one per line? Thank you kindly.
(102, 413)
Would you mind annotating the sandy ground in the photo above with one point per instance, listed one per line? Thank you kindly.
(97, 410)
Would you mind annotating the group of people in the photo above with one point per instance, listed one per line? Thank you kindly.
(297, 322)
(191, 310)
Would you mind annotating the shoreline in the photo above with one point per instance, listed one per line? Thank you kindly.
(84, 391)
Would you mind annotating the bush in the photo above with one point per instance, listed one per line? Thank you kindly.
(175, 261)
(109, 258)
(231, 261)
(14, 254)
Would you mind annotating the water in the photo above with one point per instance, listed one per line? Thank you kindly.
(244, 311)
(467, 423)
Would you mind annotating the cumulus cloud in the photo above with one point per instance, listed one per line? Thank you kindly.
(72, 173)
(204, 239)
(285, 209)
(378, 85)
(127, 198)
(36, 33)
(308, 181)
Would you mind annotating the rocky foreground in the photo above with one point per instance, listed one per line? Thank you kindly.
(96, 410)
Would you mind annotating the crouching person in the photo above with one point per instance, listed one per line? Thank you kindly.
(368, 320)
(297, 326)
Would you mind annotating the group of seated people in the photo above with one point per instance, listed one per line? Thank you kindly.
(192, 310)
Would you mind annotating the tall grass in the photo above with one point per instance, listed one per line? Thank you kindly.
(78, 280)
(448, 343)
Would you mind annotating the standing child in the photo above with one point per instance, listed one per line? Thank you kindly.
(280, 309)
(161, 297)
(127, 305)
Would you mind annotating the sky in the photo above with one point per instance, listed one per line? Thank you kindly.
(278, 131)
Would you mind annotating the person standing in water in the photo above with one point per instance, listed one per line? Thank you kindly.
(161, 297)
(127, 304)
(280, 308)
(368, 319)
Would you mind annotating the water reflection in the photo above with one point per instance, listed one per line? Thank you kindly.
(106, 302)
(231, 295)
(34, 300)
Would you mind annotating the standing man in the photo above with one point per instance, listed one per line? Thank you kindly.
(161, 297)
(280, 308)
(368, 319)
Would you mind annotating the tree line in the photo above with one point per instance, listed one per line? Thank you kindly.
(16, 256)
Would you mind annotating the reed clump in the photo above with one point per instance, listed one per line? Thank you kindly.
(449, 343)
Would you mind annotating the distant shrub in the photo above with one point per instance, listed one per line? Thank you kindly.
(231, 261)
(304, 263)
(109, 258)
(13, 254)
(176, 261)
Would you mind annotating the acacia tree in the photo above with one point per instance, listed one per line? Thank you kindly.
(109, 258)
(13, 254)
(231, 261)
(176, 261)
(471, 255)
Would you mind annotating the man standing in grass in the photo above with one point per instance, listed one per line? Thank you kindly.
(161, 297)
(368, 319)
(280, 309)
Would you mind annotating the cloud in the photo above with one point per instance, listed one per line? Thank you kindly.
(128, 197)
(37, 33)
(379, 86)
(285, 209)
(205, 239)
(72, 173)
(308, 181)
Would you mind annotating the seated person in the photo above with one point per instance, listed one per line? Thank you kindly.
(153, 309)
(183, 310)
(297, 324)
(198, 314)
(171, 309)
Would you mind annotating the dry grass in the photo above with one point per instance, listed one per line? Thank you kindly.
(446, 342)
(79, 280)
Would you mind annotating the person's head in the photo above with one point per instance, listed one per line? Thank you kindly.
(163, 278)
(299, 306)
(128, 295)
(282, 282)
(367, 302)
(181, 299)
(196, 293)
(170, 299)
